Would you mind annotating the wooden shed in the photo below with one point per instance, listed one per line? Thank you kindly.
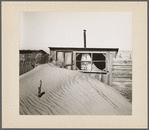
(97, 62)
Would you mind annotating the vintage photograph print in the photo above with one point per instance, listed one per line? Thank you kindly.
(75, 63)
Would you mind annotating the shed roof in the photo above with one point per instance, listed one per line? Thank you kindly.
(31, 51)
(83, 49)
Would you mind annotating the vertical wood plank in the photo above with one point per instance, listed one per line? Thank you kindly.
(97, 76)
(100, 77)
(91, 61)
(107, 60)
(68, 59)
(104, 78)
(108, 65)
(54, 55)
(74, 60)
(111, 55)
(60, 56)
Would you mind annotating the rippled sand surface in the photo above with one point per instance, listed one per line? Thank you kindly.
(68, 92)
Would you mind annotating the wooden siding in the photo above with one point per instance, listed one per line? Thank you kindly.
(122, 70)
(103, 77)
(29, 61)
(122, 74)
(119, 67)
(25, 67)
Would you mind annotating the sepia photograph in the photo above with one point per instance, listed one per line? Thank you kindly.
(78, 64)
(75, 63)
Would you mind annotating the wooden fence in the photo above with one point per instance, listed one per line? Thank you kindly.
(122, 74)
(122, 69)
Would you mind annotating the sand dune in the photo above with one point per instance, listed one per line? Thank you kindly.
(68, 92)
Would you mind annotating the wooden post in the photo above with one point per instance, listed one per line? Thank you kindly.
(39, 88)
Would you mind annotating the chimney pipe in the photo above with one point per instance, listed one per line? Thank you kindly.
(84, 38)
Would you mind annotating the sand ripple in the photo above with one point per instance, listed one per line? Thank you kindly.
(68, 93)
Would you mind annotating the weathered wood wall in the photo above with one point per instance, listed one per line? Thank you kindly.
(122, 73)
(28, 61)
(25, 67)
(58, 59)
(121, 69)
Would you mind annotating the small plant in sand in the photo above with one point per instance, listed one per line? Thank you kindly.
(39, 89)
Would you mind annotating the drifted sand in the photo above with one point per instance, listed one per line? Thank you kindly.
(68, 92)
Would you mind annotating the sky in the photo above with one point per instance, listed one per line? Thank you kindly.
(40, 30)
